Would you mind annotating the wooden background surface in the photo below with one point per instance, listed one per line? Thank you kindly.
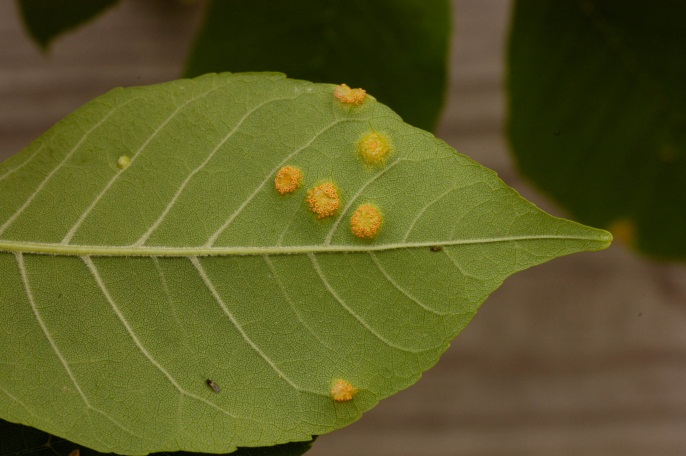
(585, 355)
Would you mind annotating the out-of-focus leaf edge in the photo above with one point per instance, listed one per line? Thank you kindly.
(46, 20)
(20, 440)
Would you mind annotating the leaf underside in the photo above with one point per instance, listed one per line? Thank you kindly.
(598, 114)
(125, 290)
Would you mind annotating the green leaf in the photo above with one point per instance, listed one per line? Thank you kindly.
(18, 440)
(395, 49)
(598, 114)
(46, 19)
(128, 283)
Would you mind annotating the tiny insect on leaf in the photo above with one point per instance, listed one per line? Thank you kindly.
(213, 385)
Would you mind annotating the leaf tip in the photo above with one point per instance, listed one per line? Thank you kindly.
(604, 238)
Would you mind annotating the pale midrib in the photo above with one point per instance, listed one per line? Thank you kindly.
(191, 251)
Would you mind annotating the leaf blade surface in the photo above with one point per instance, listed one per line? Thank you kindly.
(129, 287)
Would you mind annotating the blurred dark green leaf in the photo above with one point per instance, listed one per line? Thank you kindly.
(46, 19)
(395, 49)
(598, 114)
(18, 440)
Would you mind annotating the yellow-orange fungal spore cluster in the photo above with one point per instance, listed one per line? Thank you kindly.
(288, 179)
(347, 95)
(366, 221)
(342, 391)
(374, 148)
(323, 200)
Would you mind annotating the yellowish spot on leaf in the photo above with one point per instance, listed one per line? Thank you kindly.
(374, 148)
(347, 95)
(624, 231)
(323, 200)
(123, 162)
(288, 179)
(342, 391)
(366, 221)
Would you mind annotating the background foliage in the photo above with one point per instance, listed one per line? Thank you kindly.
(394, 49)
(598, 114)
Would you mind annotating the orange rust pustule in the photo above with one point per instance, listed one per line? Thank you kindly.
(288, 179)
(323, 200)
(342, 391)
(349, 96)
(366, 221)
